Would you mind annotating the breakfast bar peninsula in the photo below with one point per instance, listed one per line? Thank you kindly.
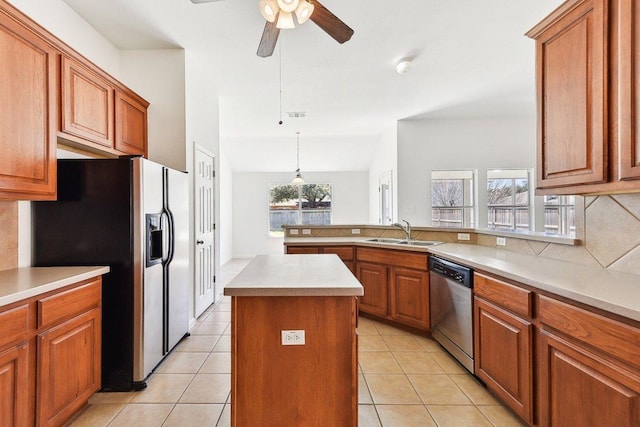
(293, 342)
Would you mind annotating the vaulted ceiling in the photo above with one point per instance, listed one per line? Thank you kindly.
(471, 59)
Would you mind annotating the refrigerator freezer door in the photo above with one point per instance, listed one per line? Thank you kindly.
(152, 290)
(178, 269)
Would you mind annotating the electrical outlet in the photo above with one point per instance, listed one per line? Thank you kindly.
(306, 231)
(464, 236)
(295, 337)
(501, 241)
(355, 231)
(293, 231)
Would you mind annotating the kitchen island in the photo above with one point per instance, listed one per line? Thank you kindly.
(293, 342)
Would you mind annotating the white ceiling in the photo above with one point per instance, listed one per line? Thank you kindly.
(471, 59)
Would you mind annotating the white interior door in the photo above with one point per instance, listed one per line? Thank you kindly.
(385, 191)
(204, 176)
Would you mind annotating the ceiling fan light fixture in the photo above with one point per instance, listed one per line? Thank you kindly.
(403, 66)
(269, 9)
(304, 11)
(288, 5)
(285, 20)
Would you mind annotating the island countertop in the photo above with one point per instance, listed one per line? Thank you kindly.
(21, 283)
(295, 275)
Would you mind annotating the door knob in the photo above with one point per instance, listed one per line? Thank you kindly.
(200, 242)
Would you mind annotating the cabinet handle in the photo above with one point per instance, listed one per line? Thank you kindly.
(200, 242)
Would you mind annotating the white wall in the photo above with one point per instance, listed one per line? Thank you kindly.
(226, 208)
(474, 144)
(158, 76)
(202, 127)
(385, 159)
(251, 206)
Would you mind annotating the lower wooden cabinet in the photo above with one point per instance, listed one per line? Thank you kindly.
(580, 388)
(504, 356)
(14, 386)
(396, 285)
(68, 367)
(345, 253)
(50, 355)
(409, 297)
(373, 278)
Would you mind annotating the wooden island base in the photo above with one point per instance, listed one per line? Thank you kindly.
(313, 383)
(298, 385)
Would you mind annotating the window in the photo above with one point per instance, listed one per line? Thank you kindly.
(308, 204)
(508, 201)
(560, 215)
(452, 196)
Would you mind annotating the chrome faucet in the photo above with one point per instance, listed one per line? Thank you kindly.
(406, 229)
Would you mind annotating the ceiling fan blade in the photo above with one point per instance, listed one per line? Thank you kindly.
(330, 23)
(268, 40)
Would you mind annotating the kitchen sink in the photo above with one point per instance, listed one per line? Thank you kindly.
(382, 240)
(404, 242)
(419, 242)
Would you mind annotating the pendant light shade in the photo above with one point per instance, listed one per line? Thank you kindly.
(285, 20)
(288, 5)
(269, 9)
(304, 11)
(298, 180)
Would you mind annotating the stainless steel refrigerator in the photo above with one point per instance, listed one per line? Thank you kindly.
(132, 215)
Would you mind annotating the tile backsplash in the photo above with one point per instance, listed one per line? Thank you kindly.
(8, 235)
(612, 236)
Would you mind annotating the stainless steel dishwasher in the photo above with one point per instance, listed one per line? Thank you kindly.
(451, 302)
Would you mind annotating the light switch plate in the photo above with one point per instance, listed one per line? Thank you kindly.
(306, 231)
(293, 231)
(464, 236)
(501, 241)
(355, 231)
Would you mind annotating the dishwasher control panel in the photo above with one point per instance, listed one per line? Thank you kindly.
(453, 271)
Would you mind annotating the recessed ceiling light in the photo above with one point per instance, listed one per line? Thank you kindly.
(403, 66)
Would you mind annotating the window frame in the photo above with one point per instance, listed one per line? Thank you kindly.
(513, 175)
(469, 196)
(300, 209)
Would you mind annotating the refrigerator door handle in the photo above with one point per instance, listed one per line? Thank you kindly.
(170, 233)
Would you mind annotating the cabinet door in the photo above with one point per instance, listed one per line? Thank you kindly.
(303, 250)
(68, 367)
(87, 104)
(578, 388)
(628, 113)
(504, 356)
(409, 297)
(14, 388)
(374, 280)
(28, 92)
(131, 124)
(572, 97)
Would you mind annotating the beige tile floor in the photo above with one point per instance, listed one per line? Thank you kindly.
(404, 380)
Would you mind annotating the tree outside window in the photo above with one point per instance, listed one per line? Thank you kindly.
(508, 200)
(452, 196)
(308, 204)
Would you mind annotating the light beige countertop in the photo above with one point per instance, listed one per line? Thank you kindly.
(612, 291)
(295, 275)
(608, 290)
(21, 283)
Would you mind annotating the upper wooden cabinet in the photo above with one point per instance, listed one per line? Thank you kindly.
(587, 57)
(28, 93)
(49, 91)
(98, 114)
(87, 104)
(131, 123)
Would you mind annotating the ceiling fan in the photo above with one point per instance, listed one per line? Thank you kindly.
(279, 15)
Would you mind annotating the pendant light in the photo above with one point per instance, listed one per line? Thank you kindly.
(298, 180)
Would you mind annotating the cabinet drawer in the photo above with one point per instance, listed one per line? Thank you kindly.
(392, 257)
(344, 252)
(302, 250)
(606, 335)
(508, 296)
(69, 303)
(15, 325)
